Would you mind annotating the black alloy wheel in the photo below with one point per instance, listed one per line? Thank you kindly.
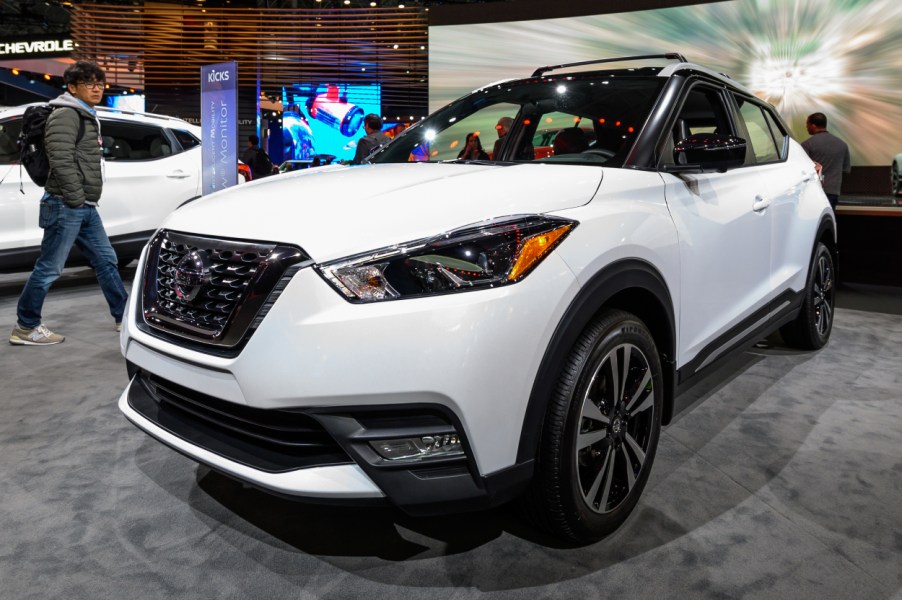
(601, 431)
(811, 329)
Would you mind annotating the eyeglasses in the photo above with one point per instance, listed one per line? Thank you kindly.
(94, 85)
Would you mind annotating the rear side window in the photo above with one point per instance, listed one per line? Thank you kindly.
(186, 139)
(9, 133)
(133, 142)
(779, 134)
(760, 139)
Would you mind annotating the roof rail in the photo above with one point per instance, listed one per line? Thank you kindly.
(670, 55)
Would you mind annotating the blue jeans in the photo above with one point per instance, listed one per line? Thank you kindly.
(64, 226)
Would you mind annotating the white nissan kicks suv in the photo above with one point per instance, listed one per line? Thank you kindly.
(448, 334)
(151, 166)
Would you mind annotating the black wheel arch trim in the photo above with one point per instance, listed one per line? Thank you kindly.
(615, 279)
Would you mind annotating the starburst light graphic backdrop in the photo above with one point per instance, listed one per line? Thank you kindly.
(839, 57)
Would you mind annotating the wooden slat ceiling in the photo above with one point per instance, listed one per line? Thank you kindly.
(165, 45)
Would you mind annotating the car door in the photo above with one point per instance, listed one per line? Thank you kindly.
(724, 231)
(18, 205)
(788, 178)
(148, 175)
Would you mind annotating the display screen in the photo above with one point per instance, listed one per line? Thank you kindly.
(839, 57)
(326, 119)
(133, 103)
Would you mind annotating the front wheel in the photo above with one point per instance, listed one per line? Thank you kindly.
(811, 329)
(601, 431)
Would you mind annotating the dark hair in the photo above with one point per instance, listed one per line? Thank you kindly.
(83, 72)
(254, 140)
(819, 120)
(478, 141)
(372, 121)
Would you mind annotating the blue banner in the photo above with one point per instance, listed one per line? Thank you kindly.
(219, 121)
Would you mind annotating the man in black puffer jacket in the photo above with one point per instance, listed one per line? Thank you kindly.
(69, 207)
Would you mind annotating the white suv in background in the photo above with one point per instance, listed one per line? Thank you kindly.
(450, 334)
(152, 166)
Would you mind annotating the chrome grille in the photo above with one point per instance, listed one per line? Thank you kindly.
(210, 290)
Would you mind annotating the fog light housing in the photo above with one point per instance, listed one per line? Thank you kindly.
(420, 448)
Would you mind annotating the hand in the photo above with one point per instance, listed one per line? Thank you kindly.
(818, 167)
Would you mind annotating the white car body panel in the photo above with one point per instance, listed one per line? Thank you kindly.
(164, 184)
(392, 203)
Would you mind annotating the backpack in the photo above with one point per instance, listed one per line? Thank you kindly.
(262, 164)
(32, 154)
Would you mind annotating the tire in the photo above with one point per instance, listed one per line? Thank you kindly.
(600, 433)
(811, 329)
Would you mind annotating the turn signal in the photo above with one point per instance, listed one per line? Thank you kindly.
(534, 249)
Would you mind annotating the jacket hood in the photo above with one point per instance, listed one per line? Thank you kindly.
(68, 100)
(335, 211)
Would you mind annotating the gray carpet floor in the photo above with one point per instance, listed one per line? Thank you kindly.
(784, 480)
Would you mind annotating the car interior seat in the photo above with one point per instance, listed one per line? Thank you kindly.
(119, 149)
(158, 148)
(570, 141)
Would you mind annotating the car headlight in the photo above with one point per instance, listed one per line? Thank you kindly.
(495, 253)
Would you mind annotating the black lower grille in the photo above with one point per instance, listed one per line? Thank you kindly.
(270, 440)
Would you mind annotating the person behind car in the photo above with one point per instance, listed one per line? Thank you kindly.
(68, 209)
(828, 151)
(473, 149)
(502, 129)
(254, 157)
(374, 138)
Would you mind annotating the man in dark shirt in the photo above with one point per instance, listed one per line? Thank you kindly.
(830, 152)
(373, 138)
(254, 157)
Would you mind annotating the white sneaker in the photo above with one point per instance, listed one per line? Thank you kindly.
(39, 336)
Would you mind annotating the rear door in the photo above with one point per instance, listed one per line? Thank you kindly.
(148, 175)
(18, 208)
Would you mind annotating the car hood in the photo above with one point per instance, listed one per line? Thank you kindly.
(335, 211)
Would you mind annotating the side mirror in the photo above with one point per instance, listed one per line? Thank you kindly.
(708, 152)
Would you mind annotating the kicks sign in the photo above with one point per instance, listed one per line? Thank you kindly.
(214, 76)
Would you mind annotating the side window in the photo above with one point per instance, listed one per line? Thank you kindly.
(9, 133)
(185, 138)
(133, 141)
(760, 138)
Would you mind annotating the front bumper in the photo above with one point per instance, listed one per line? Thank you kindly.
(363, 372)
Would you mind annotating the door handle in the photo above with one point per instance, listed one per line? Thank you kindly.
(760, 203)
(178, 175)
(808, 176)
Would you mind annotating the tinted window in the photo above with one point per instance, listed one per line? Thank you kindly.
(9, 132)
(186, 139)
(601, 113)
(133, 141)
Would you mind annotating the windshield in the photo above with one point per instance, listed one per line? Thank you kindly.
(573, 119)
